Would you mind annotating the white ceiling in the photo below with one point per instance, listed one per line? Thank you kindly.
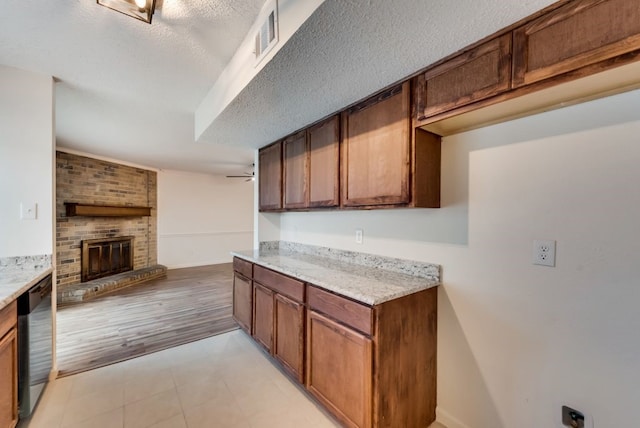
(128, 90)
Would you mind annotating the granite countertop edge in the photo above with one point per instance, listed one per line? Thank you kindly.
(409, 284)
(9, 291)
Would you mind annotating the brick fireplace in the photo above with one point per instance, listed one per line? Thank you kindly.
(84, 180)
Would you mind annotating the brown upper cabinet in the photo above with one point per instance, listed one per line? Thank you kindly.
(270, 177)
(295, 172)
(376, 149)
(580, 33)
(311, 166)
(324, 163)
(474, 75)
(382, 164)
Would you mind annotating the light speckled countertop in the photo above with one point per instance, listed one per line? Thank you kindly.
(359, 278)
(17, 274)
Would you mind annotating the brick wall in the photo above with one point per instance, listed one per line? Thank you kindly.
(91, 181)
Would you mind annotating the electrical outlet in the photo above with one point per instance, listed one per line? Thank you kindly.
(358, 236)
(28, 211)
(572, 418)
(544, 253)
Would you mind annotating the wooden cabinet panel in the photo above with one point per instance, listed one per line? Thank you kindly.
(295, 171)
(289, 335)
(263, 316)
(580, 33)
(8, 367)
(243, 302)
(324, 163)
(243, 267)
(270, 177)
(280, 283)
(339, 370)
(471, 76)
(376, 150)
(405, 348)
(8, 317)
(346, 311)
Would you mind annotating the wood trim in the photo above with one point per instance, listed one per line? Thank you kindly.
(75, 209)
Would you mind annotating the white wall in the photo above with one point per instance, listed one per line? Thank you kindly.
(517, 341)
(26, 161)
(201, 218)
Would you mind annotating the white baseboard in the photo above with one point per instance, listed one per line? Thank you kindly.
(444, 418)
(197, 264)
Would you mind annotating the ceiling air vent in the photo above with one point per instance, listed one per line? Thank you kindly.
(267, 34)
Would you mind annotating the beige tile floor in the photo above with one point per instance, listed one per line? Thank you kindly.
(222, 381)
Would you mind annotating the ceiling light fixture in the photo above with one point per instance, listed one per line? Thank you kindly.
(139, 9)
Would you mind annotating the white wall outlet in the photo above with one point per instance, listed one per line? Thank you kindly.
(544, 253)
(28, 211)
(358, 236)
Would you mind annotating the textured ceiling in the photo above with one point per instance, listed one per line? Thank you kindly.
(129, 90)
(126, 89)
(350, 49)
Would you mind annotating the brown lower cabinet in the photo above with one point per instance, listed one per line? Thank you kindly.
(370, 366)
(339, 368)
(263, 316)
(289, 335)
(8, 367)
(243, 301)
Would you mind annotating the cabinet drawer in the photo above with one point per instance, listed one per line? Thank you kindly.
(341, 309)
(243, 267)
(8, 318)
(280, 283)
(578, 34)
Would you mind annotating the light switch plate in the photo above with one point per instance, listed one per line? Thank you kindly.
(358, 236)
(28, 211)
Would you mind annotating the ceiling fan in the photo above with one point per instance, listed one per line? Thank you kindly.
(250, 176)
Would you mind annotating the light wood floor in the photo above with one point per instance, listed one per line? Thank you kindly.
(188, 305)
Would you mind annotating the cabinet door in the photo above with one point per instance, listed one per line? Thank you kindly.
(9, 380)
(472, 76)
(242, 301)
(289, 335)
(270, 177)
(263, 316)
(376, 150)
(324, 163)
(339, 369)
(296, 166)
(580, 33)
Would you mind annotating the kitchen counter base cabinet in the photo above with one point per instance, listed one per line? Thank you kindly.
(243, 294)
(263, 316)
(288, 347)
(8, 367)
(383, 379)
(243, 302)
(339, 369)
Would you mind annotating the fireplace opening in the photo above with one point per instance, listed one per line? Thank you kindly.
(104, 257)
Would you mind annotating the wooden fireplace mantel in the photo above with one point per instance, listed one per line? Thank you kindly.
(75, 209)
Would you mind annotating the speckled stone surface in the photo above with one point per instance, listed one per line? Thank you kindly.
(17, 274)
(366, 278)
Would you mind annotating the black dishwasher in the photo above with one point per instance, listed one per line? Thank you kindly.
(35, 343)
